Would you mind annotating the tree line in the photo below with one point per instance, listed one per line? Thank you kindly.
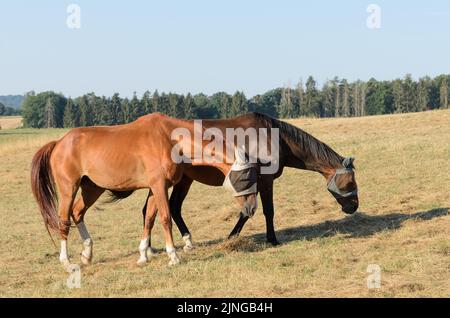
(8, 111)
(336, 98)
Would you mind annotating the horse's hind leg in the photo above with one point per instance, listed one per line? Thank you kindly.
(179, 193)
(67, 192)
(89, 194)
(145, 248)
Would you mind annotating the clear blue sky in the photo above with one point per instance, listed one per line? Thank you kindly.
(208, 46)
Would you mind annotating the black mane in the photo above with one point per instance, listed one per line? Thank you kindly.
(308, 144)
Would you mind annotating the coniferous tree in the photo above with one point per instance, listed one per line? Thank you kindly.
(69, 114)
(255, 103)
(126, 111)
(328, 99)
(136, 109)
(155, 102)
(422, 93)
(443, 93)
(409, 94)
(164, 105)
(146, 103)
(50, 114)
(92, 101)
(355, 99)
(337, 96)
(286, 106)
(104, 112)
(363, 91)
(115, 106)
(174, 106)
(397, 90)
(298, 100)
(86, 113)
(189, 107)
(345, 98)
(225, 106)
(239, 104)
(312, 102)
(375, 97)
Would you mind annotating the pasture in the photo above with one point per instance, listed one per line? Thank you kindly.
(403, 173)
(10, 122)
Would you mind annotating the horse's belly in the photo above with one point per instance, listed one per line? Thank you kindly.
(117, 174)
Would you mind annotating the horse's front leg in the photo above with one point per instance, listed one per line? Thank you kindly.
(145, 248)
(266, 192)
(239, 225)
(161, 197)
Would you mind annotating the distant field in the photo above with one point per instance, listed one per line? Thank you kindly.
(403, 171)
(10, 122)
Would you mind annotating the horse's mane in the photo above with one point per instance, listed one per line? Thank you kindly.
(309, 145)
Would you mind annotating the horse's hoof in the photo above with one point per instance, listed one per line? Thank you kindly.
(85, 260)
(150, 252)
(174, 261)
(188, 248)
(141, 262)
(273, 242)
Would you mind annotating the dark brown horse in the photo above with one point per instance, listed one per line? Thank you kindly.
(297, 149)
(120, 159)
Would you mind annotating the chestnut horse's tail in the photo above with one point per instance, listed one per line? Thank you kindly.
(43, 186)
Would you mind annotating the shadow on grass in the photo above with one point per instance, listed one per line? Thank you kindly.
(358, 225)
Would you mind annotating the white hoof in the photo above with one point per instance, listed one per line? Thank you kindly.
(85, 260)
(142, 261)
(174, 261)
(150, 252)
(187, 243)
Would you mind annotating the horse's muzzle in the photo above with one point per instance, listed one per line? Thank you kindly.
(350, 208)
(349, 205)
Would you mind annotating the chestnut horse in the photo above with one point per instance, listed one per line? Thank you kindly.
(297, 149)
(120, 159)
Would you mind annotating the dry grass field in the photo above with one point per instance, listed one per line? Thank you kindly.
(403, 225)
(10, 122)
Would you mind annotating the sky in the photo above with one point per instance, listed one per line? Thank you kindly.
(209, 46)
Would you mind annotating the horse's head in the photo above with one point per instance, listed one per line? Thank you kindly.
(342, 185)
(242, 181)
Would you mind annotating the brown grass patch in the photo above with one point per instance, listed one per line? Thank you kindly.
(10, 122)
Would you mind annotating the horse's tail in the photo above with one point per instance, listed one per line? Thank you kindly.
(43, 186)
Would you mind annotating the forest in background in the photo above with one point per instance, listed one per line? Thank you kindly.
(336, 98)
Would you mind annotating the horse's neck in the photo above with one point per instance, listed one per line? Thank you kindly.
(303, 160)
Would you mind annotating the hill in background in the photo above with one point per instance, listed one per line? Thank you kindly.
(14, 101)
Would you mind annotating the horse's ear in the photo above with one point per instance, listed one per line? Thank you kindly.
(348, 162)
